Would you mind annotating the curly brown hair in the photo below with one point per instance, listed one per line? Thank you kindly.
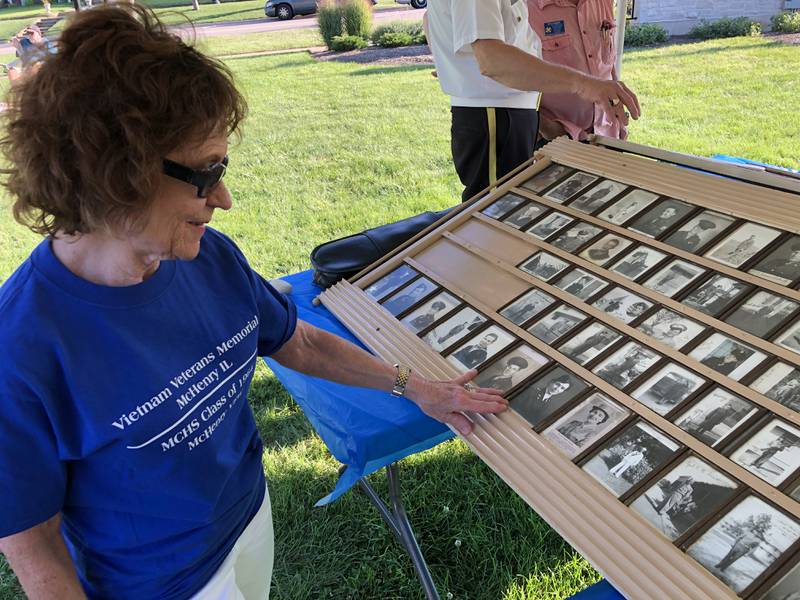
(86, 134)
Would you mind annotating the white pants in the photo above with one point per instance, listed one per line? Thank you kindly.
(247, 570)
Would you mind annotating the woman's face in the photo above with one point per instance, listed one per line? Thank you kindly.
(176, 219)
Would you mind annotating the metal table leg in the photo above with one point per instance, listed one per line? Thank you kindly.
(397, 521)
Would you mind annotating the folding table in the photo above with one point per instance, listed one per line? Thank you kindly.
(367, 431)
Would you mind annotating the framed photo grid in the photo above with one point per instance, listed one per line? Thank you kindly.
(651, 338)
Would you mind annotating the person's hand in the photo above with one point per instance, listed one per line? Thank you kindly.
(613, 97)
(445, 400)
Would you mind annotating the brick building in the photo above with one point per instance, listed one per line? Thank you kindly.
(678, 16)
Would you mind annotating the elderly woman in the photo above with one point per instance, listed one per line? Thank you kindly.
(130, 463)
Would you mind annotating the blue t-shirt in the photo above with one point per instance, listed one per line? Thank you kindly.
(126, 409)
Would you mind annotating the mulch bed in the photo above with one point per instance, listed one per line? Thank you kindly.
(375, 55)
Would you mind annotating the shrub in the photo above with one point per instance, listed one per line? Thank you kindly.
(343, 43)
(725, 28)
(786, 23)
(329, 18)
(414, 29)
(394, 39)
(357, 17)
(648, 34)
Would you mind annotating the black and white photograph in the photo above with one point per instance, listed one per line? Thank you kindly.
(790, 339)
(549, 225)
(671, 328)
(630, 457)
(628, 206)
(577, 430)
(598, 196)
(389, 283)
(727, 356)
(788, 588)
(684, 497)
(781, 383)
(503, 205)
(661, 217)
(576, 236)
(638, 261)
(604, 249)
(773, 454)
(743, 244)
(483, 346)
(590, 342)
(458, 326)
(544, 266)
(530, 304)
(674, 277)
(782, 265)
(716, 295)
(557, 323)
(406, 297)
(699, 231)
(511, 369)
(581, 284)
(626, 365)
(622, 304)
(745, 542)
(425, 315)
(668, 388)
(546, 178)
(570, 187)
(714, 417)
(762, 313)
(525, 215)
(546, 395)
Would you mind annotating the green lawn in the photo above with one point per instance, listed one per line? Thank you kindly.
(330, 149)
(221, 45)
(15, 18)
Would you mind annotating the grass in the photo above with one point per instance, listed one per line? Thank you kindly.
(221, 45)
(333, 148)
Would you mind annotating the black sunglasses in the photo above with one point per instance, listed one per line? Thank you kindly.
(203, 179)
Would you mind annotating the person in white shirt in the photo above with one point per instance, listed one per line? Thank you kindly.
(488, 60)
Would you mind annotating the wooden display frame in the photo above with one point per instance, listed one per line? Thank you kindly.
(475, 258)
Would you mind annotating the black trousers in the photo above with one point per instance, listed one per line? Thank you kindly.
(487, 143)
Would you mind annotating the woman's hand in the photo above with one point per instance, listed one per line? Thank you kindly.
(446, 400)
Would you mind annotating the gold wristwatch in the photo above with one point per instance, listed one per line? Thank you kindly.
(403, 374)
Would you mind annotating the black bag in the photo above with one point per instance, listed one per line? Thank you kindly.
(343, 258)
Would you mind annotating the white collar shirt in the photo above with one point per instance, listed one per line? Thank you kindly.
(453, 25)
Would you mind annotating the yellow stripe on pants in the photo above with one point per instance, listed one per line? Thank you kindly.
(492, 121)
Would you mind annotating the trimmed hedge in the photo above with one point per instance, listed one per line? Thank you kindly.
(343, 43)
(725, 28)
(786, 23)
(395, 39)
(413, 29)
(648, 34)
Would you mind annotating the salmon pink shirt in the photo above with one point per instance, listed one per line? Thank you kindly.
(578, 34)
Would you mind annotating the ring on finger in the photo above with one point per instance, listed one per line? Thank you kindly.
(469, 387)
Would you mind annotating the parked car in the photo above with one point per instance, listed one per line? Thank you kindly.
(287, 9)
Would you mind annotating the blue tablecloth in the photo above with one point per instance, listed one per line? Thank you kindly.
(365, 430)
